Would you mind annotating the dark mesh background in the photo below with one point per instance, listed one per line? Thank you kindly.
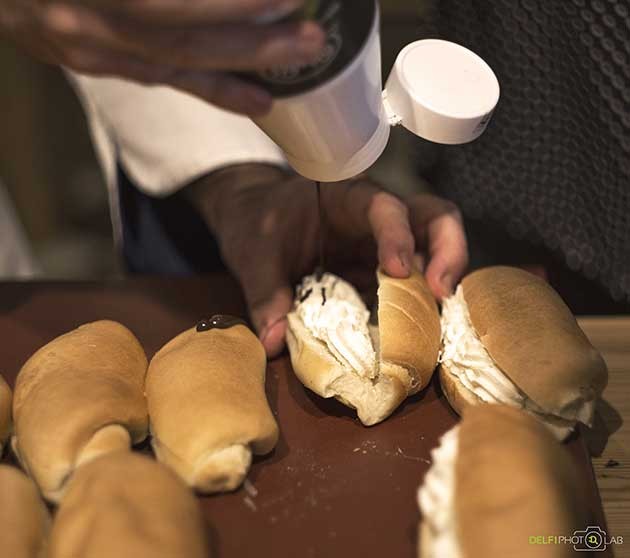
(554, 166)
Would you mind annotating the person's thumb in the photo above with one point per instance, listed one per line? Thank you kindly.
(269, 299)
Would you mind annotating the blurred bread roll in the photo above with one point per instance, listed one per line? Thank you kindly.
(207, 404)
(79, 396)
(509, 339)
(497, 479)
(125, 505)
(5, 413)
(336, 352)
(24, 519)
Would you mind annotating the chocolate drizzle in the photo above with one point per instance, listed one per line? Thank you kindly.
(319, 270)
(304, 296)
(323, 296)
(219, 321)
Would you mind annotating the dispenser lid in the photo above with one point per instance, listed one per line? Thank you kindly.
(441, 91)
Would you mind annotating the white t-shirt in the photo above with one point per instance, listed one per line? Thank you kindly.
(163, 138)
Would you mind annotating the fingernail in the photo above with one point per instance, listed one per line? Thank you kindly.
(447, 284)
(264, 332)
(405, 262)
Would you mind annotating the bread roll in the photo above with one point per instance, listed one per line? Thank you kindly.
(76, 398)
(207, 404)
(509, 339)
(24, 519)
(125, 505)
(371, 369)
(498, 479)
(5, 413)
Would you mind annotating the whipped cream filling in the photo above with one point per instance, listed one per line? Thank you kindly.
(465, 356)
(436, 498)
(468, 360)
(334, 313)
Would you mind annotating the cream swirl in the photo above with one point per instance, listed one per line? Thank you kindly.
(333, 312)
(436, 498)
(466, 358)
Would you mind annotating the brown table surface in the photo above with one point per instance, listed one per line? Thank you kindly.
(331, 488)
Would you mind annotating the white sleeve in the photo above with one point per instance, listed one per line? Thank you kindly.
(163, 138)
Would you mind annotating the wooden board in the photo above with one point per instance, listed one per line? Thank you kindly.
(609, 442)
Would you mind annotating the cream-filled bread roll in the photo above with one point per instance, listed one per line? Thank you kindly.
(497, 479)
(207, 404)
(336, 352)
(5, 413)
(79, 396)
(24, 519)
(509, 339)
(125, 505)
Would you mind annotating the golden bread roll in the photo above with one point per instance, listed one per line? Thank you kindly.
(125, 505)
(335, 352)
(207, 404)
(509, 339)
(5, 412)
(24, 519)
(76, 398)
(498, 479)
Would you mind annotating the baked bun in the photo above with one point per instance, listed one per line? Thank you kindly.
(76, 398)
(5, 413)
(207, 404)
(335, 353)
(24, 518)
(508, 338)
(125, 505)
(497, 479)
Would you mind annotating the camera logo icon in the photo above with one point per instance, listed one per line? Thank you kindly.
(591, 539)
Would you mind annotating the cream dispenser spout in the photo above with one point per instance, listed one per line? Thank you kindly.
(332, 117)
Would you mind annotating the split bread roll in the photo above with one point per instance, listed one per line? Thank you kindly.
(207, 404)
(125, 505)
(509, 339)
(76, 398)
(498, 479)
(24, 519)
(373, 369)
(5, 413)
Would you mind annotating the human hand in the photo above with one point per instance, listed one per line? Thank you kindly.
(267, 225)
(188, 44)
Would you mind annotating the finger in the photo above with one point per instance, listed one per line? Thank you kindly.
(235, 47)
(389, 220)
(271, 317)
(198, 11)
(244, 47)
(269, 299)
(224, 91)
(446, 244)
(219, 89)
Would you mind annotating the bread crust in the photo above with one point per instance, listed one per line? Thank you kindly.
(128, 506)
(83, 391)
(456, 394)
(6, 398)
(24, 518)
(534, 339)
(513, 480)
(208, 408)
(409, 342)
(460, 398)
(409, 329)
